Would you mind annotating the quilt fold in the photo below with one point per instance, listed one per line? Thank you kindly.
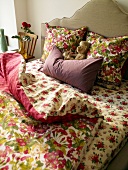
(44, 99)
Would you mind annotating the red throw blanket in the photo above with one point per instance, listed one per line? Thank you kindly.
(9, 64)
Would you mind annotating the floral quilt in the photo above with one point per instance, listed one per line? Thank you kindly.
(113, 131)
(81, 144)
(44, 98)
(29, 144)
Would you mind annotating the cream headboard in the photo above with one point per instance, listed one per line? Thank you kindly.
(101, 16)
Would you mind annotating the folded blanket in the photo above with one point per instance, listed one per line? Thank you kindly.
(43, 97)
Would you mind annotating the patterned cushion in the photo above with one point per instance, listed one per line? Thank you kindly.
(63, 38)
(113, 51)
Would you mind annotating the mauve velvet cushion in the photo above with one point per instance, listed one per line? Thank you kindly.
(78, 73)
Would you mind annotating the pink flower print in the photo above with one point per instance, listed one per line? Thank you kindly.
(73, 134)
(46, 105)
(26, 152)
(65, 91)
(23, 130)
(81, 166)
(113, 113)
(11, 124)
(118, 97)
(108, 72)
(104, 50)
(23, 158)
(114, 128)
(55, 100)
(30, 128)
(62, 131)
(112, 139)
(42, 98)
(109, 119)
(60, 153)
(126, 116)
(107, 106)
(125, 123)
(117, 80)
(83, 108)
(1, 101)
(57, 144)
(70, 152)
(115, 61)
(82, 125)
(100, 145)
(95, 52)
(52, 158)
(21, 142)
(95, 158)
(120, 108)
(65, 46)
(98, 99)
(5, 168)
(106, 95)
(115, 49)
(62, 164)
(124, 103)
(110, 101)
(44, 92)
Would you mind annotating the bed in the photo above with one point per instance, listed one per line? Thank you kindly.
(58, 114)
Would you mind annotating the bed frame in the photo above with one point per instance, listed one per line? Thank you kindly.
(104, 17)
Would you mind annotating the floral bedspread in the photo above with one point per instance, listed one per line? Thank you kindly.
(113, 131)
(44, 98)
(29, 144)
(82, 144)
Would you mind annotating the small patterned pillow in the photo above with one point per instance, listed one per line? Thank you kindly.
(113, 51)
(64, 38)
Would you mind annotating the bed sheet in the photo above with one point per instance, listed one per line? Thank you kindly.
(113, 131)
(26, 143)
(29, 144)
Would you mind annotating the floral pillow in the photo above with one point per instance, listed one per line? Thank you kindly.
(64, 38)
(113, 50)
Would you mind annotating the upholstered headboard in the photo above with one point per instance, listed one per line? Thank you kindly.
(104, 17)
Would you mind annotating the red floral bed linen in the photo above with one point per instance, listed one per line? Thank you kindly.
(44, 98)
(109, 138)
(29, 144)
(113, 131)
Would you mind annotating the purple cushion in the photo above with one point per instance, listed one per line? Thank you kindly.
(78, 73)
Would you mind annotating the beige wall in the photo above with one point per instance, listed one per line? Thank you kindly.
(14, 12)
(8, 19)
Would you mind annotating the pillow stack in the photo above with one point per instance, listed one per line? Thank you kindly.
(65, 39)
(114, 52)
